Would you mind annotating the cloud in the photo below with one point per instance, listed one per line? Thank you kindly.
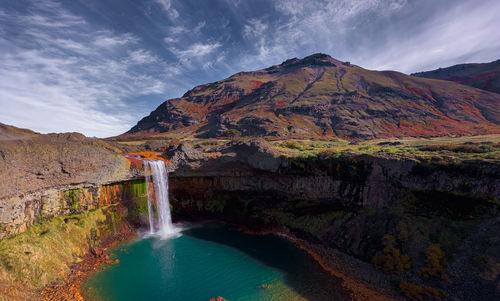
(199, 27)
(178, 30)
(212, 63)
(169, 40)
(305, 27)
(378, 34)
(106, 39)
(167, 7)
(337, 11)
(254, 28)
(63, 71)
(458, 35)
(70, 77)
(196, 50)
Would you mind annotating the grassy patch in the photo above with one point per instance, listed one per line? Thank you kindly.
(72, 198)
(437, 149)
(43, 253)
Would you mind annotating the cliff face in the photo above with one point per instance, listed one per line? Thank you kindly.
(44, 176)
(319, 96)
(376, 181)
(18, 213)
(381, 210)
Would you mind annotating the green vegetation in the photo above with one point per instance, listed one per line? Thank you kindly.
(136, 188)
(390, 260)
(213, 203)
(24, 256)
(434, 264)
(420, 293)
(293, 145)
(72, 198)
(233, 133)
(435, 150)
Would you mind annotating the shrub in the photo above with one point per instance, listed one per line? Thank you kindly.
(233, 133)
(390, 260)
(434, 263)
(402, 230)
(293, 145)
(417, 292)
(463, 148)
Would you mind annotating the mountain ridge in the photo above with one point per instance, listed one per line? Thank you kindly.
(319, 96)
(484, 76)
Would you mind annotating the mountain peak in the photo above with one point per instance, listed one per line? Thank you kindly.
(319, 96)
(317, 59)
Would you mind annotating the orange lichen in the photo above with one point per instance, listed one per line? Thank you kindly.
(137, 158)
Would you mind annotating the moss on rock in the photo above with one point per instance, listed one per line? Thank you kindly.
(23, 257)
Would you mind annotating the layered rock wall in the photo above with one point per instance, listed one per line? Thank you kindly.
(18, 213)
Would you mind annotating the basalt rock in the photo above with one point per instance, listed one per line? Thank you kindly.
(235, 157)
(350, 203)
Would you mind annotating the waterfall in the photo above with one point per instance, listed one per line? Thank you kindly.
(157, 173)
(150, 197)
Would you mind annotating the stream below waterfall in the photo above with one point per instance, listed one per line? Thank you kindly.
(208, 261)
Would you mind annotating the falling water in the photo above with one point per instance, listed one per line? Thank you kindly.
(156, 171)
(150, 197)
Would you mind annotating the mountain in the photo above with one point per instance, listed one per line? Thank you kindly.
(482, 76)
(321, 97)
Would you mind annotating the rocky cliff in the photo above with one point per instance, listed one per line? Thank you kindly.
(388, 211)
(38, 171)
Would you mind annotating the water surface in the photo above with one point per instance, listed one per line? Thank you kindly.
(209, 261)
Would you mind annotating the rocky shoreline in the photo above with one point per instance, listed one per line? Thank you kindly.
(357, 278)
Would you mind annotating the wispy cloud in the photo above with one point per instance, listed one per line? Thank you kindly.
(107, 39)
(199, 27)
(465, 33)
(195, 51)
(308, 27)
(70, 77)
(175, 30)
(167, 7)
(377, 34)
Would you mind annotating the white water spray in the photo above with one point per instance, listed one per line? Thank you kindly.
(155, 170)
(150, 197)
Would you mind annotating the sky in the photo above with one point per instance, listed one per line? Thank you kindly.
(99, 66)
